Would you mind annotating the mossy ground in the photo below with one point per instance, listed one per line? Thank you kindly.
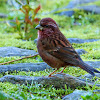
(88, 28)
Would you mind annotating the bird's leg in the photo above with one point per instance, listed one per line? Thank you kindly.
(53, 72)
(62, 70)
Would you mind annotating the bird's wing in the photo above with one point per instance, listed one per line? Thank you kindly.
(63, 51)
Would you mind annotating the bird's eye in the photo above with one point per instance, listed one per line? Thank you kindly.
(46, 26)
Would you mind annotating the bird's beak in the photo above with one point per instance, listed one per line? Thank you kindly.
(39, 27)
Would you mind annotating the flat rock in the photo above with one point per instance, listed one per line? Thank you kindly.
(57, 80)
(77, 40)
(14, 51)
(36, 66)
(81, 51)
(95, 64)
(90, 8)
(76, 95)
(24, 67)
(89, 78)
(78, 4)
(66, 13)
(74, 3)
(3, 15)
(96, 91)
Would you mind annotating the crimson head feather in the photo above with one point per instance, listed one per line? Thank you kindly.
(47, 26)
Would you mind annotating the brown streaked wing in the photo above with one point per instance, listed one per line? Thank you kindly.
(64, 52)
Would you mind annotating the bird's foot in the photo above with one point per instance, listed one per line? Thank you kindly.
(51, 76)
(61, 71)
(52, 73)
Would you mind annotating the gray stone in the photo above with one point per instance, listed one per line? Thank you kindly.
(14, 51)
(77, 40)
(36, 66)
(89, 77)
(66, 13)
(90, 8)
(75, 3)
(57, 80)
(95, 64)
(78, 4)
(24, 67)
(81, 51)
(3, 15)
(96, 91)
(76, 95)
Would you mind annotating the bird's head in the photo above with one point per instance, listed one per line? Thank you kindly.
(47, 26)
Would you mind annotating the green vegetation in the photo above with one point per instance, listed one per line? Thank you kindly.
(26, 21)
(88, 28)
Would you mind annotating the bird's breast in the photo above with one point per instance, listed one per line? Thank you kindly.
(49, 59)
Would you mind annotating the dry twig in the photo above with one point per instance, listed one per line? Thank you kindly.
(18, 59)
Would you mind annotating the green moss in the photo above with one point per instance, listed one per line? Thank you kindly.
(18, 43)
(93, 49)
(4, 9)
(27, 60)
(78, 13)
(46, 6)
(95, 3)
(36, 91)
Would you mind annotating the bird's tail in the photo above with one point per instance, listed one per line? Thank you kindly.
(88, 68)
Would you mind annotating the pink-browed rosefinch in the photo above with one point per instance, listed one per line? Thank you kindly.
(56, 50)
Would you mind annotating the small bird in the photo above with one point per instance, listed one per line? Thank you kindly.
(55, 49)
